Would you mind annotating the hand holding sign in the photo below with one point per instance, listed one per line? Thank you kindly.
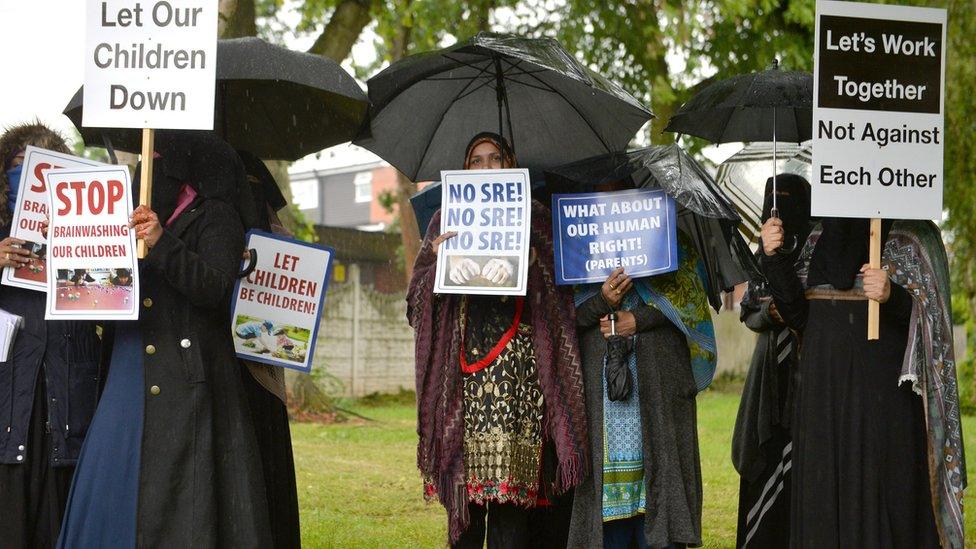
(616, 287)
(12, 254)
(877, 285)
(146, 223)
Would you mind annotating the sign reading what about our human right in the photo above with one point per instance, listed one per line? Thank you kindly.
(30, 212)
(878, 116)
(490, 210)
(92, 271)
(278, 306)
(596, 233)
(150, 64)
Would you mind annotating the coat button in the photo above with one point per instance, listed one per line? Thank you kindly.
(150, 349)
(154, 389)
(185, 343)
(147, 303)
(20, 458)
(21, 447)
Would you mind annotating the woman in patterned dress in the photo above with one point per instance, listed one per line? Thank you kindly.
(499, 389)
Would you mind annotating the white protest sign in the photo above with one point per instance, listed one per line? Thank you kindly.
(30, 212)
(878, 114)
(150, 64)
(92, 270)
(278, 306)
(490, 210)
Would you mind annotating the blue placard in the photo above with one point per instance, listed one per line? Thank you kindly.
(277, 308)
(595, 233)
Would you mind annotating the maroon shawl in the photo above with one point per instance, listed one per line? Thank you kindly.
(440, 407)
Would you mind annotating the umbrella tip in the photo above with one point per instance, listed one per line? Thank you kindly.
(775, 63)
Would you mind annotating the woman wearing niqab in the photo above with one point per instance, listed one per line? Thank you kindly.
(501, 414)
(171, 459)
(762, 441)
(877, 446)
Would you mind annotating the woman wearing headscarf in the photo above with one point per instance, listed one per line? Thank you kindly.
(499, 390)
(48, 385)
(259, 202)
(645, 488)
(172, 459)
(877, 445)
(762, 443)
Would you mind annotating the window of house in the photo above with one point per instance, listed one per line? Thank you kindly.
(364, 186)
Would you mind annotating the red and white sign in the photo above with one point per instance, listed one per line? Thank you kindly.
(92, 269)
(31, 211)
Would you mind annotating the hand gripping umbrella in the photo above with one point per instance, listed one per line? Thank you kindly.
(275, 103)
(552, 109)
(770, 105)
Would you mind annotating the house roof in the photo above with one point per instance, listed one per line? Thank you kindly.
(355, 245)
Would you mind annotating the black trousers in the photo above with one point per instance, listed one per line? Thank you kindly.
(508, 526)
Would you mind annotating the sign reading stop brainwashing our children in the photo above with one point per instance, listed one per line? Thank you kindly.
(878, 112)
(278, 306)
(150, 64)
(92, 272)
(30, 212)
(596, 233)
(490, 211)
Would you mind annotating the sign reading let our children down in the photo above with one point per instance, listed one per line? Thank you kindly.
(596, 233)
(30, 212)
(278, 306)
(92, 272)
(878, 112)
(150, 64)
(490, 211)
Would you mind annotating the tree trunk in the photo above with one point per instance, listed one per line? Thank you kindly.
(343, 30)
(235, 19)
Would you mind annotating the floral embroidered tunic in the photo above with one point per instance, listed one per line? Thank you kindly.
(503, 404)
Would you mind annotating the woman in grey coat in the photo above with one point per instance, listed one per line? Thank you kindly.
(645, 487)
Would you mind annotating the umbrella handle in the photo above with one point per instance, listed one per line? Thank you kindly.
(613, 324)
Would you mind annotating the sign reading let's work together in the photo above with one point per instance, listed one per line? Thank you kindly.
(150, 64)
(878, 112)
(596, 233)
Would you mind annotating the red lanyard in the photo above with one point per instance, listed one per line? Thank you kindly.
(498, 348)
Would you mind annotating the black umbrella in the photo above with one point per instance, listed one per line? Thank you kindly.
(705, 213)
(276, 103)
(617, 369)
(552, 109)
(769, 105)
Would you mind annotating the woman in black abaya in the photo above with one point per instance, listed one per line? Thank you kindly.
(873, 465)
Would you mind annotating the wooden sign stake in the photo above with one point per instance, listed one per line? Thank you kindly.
(874, 307)
(145, 179)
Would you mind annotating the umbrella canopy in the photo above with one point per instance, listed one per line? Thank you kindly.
(743, 179)
(664, 166)
(760, 106)
(276, 103)
(552, 109)
(705, 213)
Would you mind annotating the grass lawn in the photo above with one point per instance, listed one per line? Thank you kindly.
(358, 484)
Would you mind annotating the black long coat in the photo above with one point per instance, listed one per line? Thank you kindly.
(201, 482)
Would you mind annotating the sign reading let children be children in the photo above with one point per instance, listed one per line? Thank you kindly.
(150, 64)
